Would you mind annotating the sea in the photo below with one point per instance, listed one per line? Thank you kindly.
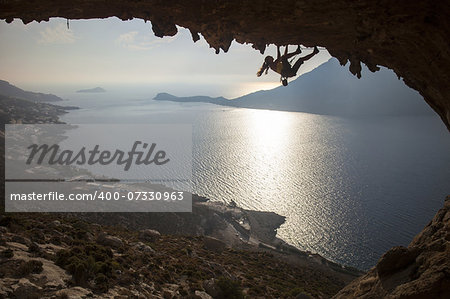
(349, 188)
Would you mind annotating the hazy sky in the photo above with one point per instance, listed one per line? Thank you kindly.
(110, 51)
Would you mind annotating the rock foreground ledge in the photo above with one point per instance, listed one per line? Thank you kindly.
(421, 270)
(409, 37)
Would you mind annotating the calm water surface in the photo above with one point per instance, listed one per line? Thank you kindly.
(350, 188)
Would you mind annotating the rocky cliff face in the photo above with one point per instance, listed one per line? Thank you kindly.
(410, 37)
(421, 270)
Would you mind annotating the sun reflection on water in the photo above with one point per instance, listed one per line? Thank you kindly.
(269, 137)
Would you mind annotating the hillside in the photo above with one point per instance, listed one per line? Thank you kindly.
(53, 256)
(9, 90)
(330, 89)
(18, 111)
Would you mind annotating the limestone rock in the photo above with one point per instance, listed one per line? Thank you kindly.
(141, 247)
(110, 241)
(24, 289)
(214, 244)
(149, 235)
(75, 292)
(203, 295)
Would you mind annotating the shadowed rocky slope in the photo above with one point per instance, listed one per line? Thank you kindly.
(410, 37)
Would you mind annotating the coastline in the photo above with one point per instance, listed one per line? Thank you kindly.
(231, 227)
(236, 227)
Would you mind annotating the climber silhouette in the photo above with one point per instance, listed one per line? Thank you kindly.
(282, 66)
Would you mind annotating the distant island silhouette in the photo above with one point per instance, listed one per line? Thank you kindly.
(92, 90)
(332, 90)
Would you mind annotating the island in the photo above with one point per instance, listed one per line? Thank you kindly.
(92, 90)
